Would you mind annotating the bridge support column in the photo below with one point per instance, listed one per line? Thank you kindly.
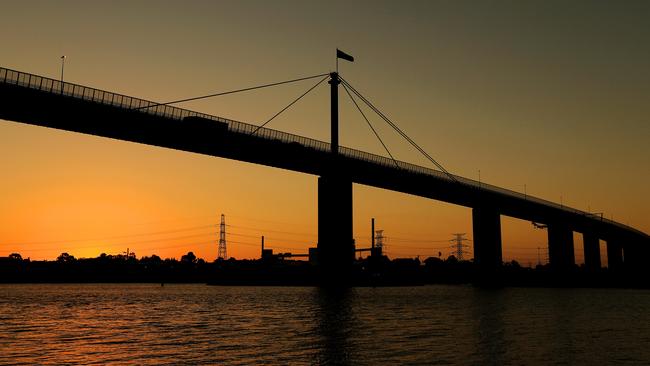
(632, 255)
(635, 258)
(614, 255)
(592, 251)
(560, 247)
(486, 223)
(335, 237)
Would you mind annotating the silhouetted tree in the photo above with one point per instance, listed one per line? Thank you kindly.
(188, 258)
(65, 258)
(513, 263)
(433, 261)
(16, 257)
(154, 259)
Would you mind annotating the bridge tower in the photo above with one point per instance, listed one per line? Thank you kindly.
(335, 237)
(222, 239)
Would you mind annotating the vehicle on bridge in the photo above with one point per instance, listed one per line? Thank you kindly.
(206, 125)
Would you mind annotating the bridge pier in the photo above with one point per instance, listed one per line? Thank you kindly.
(560, 247)
(592, 251)
(614, 254)
(335, 237)
(632, 255)
(486, 223)
(635, 257)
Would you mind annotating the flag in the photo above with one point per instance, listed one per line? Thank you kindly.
(343, 55)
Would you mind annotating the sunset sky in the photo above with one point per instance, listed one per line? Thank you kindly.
(553, 96)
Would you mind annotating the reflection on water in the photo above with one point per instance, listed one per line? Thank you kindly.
(487, 310)
(335, 325)
(196, 324)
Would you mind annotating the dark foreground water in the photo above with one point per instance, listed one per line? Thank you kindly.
(197, 324)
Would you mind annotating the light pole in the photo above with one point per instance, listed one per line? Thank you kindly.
(525, 194)
(62, 66)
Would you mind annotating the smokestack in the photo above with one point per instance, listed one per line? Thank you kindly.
(372, 232)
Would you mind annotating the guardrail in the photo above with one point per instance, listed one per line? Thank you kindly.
(50, 85)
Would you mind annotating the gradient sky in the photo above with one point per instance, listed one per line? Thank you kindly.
(550, 95)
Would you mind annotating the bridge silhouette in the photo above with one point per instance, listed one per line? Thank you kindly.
(42, 101)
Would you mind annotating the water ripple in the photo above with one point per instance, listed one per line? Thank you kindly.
(196, 324)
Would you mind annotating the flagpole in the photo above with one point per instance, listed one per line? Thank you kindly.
(337, 62)
(334, 112)
(335, 81)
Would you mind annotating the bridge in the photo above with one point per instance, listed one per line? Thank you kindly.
(42, 101)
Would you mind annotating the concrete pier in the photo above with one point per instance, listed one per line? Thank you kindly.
(335, 236)
(560, 247)
(592, 251)
(614, 254)
(486, 224)
(635, 257)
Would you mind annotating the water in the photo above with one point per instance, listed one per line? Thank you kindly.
(197, 324)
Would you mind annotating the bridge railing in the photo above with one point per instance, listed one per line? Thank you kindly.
(144, 106)
(54, 86)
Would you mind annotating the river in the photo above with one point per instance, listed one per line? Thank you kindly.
(198, 324)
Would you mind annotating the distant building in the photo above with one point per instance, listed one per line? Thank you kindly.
(267, 254)
(313, 256)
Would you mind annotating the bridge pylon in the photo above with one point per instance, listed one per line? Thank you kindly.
(335, 236)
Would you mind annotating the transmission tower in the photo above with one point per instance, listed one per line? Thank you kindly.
(222, 238)
(379, 239)
(459, 246)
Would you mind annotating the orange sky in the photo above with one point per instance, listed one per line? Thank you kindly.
(549, 95)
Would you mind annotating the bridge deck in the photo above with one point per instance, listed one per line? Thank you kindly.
(47, 102)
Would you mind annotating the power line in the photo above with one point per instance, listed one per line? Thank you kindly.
(421, 248)
(168, 239)
(156, 240)
(28, 250)
(262, 230)
(400, 238)
(179, 246)
(262, 220)
(113, 237)
(393, 238)
(257, 245)
(271, 238)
